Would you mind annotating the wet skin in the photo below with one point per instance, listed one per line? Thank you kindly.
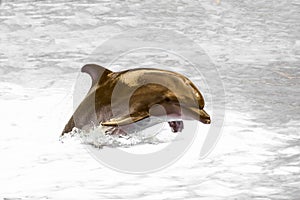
(119, 99)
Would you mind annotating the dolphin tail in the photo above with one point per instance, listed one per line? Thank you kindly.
(69, 126)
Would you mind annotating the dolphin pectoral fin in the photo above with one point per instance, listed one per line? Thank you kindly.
(125, 120)
(176, 126)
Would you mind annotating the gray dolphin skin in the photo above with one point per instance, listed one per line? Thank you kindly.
(119, 100)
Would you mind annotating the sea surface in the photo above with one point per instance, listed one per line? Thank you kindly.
(253, 45)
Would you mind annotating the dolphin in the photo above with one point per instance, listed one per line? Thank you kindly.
(122, 99)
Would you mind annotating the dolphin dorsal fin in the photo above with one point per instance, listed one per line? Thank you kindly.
(95, 71)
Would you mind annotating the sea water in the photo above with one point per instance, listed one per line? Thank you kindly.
(254, 46)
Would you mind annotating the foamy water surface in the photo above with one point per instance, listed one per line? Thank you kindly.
(254, 46)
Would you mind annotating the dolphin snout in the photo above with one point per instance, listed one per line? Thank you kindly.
(204, 117)
(198, 114)
(205, 121)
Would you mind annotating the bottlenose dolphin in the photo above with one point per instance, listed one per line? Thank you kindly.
(122, 99)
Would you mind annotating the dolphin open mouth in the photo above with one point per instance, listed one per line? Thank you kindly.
(175, 111)
(197, 114)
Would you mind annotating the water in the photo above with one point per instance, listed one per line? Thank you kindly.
(254, 45)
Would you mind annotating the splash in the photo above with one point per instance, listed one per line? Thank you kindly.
(98, 138)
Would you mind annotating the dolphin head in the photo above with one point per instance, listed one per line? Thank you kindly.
(186, 102)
